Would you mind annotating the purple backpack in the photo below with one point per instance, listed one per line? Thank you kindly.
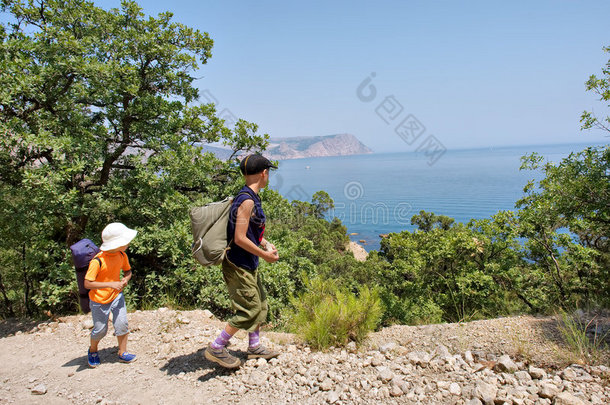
(83, 252)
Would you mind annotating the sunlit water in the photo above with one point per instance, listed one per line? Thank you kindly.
(379, 193)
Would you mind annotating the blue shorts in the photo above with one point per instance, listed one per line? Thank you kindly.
(100, 314)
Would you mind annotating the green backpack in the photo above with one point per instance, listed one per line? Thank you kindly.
(209, 226)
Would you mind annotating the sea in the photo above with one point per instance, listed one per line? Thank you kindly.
(376, 194)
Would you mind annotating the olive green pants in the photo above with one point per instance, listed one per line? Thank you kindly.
(248, 296)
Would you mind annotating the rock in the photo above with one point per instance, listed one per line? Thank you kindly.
(333, 397)
(87, 323)
(474, 401)
(387, 347)
(261, 362)
(400, 383)
(396, 391)
(468, 358)
(537, 373)
(505, 363)
(351, 347)
(378, 359)
(326, 385)
(40, 389)
(208, 314)
(385, 374)
(455, 389)
(183, 320)
(523, 376)
(485, 392)
(569, 374)
(548, 391)
(565, 398)
(419, 358)
(442, 351)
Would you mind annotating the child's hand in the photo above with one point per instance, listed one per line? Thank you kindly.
(117, 285)
(271, 256)
(124, 282)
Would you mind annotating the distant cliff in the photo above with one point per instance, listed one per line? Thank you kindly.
(315, 146)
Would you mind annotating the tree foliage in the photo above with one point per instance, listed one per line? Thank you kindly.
(100, 122)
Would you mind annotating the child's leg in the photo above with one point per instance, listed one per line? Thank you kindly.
(224, 337)
(254, 338)
(119, 320)
(100, 314)
(122, 343)
(93, 345)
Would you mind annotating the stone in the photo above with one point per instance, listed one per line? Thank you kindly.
(505, 363)
(87, 323)
(39, 389)
(569, 374)
(385, 374)
(396, 391)
(442, 351)
(419, 358)
(208, 314)
(548, 391)
(455, 389)
(183, 320)
(468, 358)
(485, 392)
(565, 398)
(537, 373)
(261, 362)
(332, 397)
(400, 383)
(523, 376)
(351, 347)
(326, 385)
(474, 401)
(378, 359)
(387, 347)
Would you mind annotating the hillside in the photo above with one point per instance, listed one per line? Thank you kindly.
(315, 146)
(517, 360)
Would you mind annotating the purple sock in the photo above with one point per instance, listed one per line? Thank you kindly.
(222, 340)
(253, 337)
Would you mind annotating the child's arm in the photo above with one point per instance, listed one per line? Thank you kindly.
(92, 285)
(241, 227)
(126, 277)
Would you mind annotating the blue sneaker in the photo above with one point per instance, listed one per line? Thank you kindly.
(93, 359)
(127, 357)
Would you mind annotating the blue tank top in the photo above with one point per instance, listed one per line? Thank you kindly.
(255, 232)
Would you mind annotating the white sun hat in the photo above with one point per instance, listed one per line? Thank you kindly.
(116, 235)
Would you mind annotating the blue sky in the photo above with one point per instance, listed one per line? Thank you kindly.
(474, 74)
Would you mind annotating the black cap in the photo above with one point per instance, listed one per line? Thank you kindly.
(253, 164)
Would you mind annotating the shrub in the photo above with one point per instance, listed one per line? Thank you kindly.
(326, 315)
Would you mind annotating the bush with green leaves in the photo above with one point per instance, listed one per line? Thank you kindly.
(100, 123)
(326, 315)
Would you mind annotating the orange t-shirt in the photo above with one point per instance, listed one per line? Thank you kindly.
(110, 270)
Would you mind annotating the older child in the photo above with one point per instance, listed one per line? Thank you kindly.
(103, 278)
(246, 229)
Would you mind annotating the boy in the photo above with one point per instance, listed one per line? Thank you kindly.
(103, 278)
(246, 230)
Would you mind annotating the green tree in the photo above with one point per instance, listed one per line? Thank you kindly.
(601, 87)
(100, 122)
(566, 220)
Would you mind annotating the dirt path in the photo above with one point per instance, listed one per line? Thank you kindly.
(51, 357)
